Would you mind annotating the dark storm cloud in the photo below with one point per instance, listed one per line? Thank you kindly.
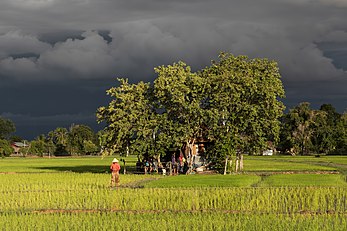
(78, 47)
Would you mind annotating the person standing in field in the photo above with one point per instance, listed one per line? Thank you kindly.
(115, 167)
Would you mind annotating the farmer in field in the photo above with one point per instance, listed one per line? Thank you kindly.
(115, 167)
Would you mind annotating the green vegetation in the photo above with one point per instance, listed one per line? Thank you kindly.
(234, 102)
(269, 164)
(74, 194)
(218, 221)
(306, 131)
(193, 181)
(290, 180)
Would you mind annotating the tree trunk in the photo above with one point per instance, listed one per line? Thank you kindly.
(170, 164)
(241, 162)
(124, 170)
(225, 165)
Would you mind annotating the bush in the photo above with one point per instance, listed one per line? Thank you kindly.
(5, 148)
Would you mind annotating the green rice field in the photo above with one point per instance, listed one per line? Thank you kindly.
(273, 193)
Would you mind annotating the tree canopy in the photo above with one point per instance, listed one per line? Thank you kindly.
(6, 128)
(233, 103)
(306, 131)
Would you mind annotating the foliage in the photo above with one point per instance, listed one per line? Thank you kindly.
(5, 148)
(233, 103)
(131, 119)
(89, 147)
(37, 147)
(341, 140)
(301, 120)
(243, 102)
(6, 128)
(77, 138)
(306, 131)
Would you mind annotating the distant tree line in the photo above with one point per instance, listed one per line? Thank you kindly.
(306, 131)
(76, 140)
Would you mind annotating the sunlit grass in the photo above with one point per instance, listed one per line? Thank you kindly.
(204, 181)
(316, 180)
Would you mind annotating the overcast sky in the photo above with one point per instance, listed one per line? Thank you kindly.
(58, 57)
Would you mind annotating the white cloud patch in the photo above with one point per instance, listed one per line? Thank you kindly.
(16, 43)
(74, 58)
(85, 58)
(25, 68)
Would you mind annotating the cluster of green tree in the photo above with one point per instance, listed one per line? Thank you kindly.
(77, 140)
(234, 103)
(306, 131)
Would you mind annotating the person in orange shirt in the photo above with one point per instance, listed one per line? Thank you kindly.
(115, 167)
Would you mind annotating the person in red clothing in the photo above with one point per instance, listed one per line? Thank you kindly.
(115, 167)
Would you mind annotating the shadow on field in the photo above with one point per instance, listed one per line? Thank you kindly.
(78, 169)
(82, 169)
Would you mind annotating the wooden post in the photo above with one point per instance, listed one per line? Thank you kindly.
(225, 166)
(241, 162)
(124, 170)
(170, 165)
(237, 164)
(230, 166)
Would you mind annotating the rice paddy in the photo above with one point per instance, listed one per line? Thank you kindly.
(279, 193)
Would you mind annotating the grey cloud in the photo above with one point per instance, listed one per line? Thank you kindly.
(74, 58)
(87, 57)
(15, 42)
(60, 44)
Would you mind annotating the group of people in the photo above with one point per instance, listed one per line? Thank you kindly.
(183, 161)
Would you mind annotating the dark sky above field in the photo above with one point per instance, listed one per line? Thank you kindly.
(58, 57)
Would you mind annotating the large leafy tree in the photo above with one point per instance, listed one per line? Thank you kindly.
(326, 132)
(58, 140)
(80, 137)
(234, 102)
(38, 146)
(299, 124)
(306, 131)
(341, 143)
(180, 96)
(130, 117)
(243, 102)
